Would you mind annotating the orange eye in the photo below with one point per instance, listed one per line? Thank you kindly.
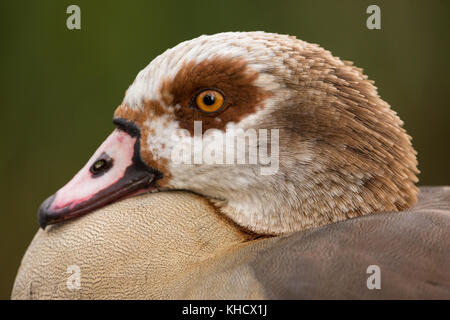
(209, 100)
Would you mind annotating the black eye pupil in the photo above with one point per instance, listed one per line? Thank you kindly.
(209, 99)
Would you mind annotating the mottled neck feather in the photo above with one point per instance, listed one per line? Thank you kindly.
(343, 151)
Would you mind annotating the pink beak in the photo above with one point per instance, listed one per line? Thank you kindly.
(114, 172)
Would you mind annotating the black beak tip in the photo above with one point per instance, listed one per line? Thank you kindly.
(43, 212)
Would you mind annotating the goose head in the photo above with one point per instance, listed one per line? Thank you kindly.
(320, 144)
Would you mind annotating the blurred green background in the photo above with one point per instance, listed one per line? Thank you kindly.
(59, 87)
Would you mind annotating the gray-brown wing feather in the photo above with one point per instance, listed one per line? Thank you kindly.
(411, 248)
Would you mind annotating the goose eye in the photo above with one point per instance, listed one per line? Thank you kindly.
(210, 101)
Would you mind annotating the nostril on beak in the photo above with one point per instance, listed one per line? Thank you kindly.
(101, 165)
(44, 214)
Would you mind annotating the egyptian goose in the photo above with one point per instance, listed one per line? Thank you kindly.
(340, 153)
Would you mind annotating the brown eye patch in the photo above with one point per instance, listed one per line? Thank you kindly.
(229, 76)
